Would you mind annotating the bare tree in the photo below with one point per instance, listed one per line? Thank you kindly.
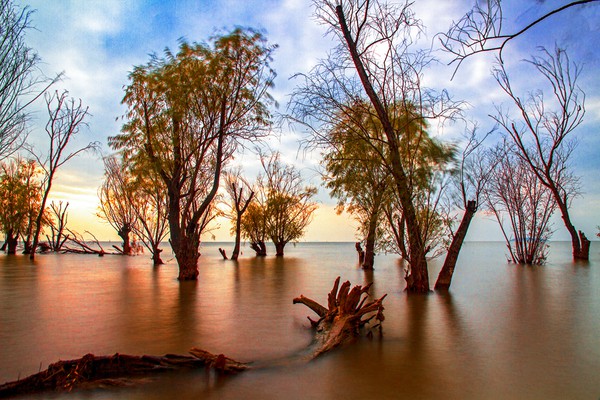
(241, 194)
(376, 60)
(58, 225)
(515, 193)
(65, 118)
(117, 201)
(481, 30)
(149, 203)
(21, 83)
(473, 173)
(188, 112)
(543, 137)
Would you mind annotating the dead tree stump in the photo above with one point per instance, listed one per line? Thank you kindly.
(342, 320)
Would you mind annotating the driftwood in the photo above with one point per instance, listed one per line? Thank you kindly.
(338, 324)
(92, 371)
(78, 245)
(341, 321)
(223, 253)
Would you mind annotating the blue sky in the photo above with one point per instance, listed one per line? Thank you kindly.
(97, 43)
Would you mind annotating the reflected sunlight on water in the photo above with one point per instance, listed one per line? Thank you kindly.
(504, 331)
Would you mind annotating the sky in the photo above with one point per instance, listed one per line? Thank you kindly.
(96, 43)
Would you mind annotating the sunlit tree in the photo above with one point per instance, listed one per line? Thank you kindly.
(21, 81)
(20, 198)
(188, 112)
(376, 61)
(240, 195)
(288, 203)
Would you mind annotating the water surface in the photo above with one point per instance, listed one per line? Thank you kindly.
(503, 331)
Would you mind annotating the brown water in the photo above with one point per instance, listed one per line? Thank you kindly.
(503, 332)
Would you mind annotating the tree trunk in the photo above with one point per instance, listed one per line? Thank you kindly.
(156, 255)
(361, 253)
(260, 248)
(238, 233)
(279, 248)
(584, 252)
(124, 234)
(223, 253)
(445, 276)
(417, 279)
(187, 258)
(369, 260)
(341, 321)
(12, 241)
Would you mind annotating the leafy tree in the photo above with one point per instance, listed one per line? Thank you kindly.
(187, 114)
(375, 61)
(254, 226)
(20, 198)
(149, 202)
(286, 208)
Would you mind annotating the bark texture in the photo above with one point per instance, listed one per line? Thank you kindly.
(445, 276)
(92, 371)
(341, 321)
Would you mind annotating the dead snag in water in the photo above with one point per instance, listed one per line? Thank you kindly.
(223, 253)
(92, 371)
(341, 321)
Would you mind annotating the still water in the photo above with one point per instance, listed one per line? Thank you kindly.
(503, 331)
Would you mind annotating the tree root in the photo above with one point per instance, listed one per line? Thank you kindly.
(338, 324)
(342, 320)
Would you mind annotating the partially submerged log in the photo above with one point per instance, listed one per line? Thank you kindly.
(346, 313)
(339, 323)
(116, 370)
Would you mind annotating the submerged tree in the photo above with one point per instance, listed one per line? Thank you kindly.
(473, 172)
(288, 203)
(543, 137)
(515, 193)
(376, 61)
(187, 114)
(20, 197)
(149, 203)
(65, 118)
(21, 83)
(240, 194)
(58, 218)
(117, 201)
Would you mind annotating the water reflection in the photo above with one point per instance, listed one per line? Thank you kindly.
(503, 331)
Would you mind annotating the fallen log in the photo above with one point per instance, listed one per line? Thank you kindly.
(116, 370)
(341, 322)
